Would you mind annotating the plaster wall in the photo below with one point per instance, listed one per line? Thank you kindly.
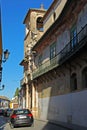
(66, 108)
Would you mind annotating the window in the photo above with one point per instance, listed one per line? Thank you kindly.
(40, 60)
(21, 111)
(73, 83)
(53, 50)
(84, 78)
(73, 36)
(39, 24)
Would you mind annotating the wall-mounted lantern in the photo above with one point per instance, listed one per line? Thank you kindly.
(5, 57)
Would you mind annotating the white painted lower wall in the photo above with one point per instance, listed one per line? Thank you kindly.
(66, 108)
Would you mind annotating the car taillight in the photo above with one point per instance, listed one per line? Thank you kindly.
(30, 115)
(13, 116)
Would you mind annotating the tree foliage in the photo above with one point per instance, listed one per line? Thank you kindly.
(16, 92)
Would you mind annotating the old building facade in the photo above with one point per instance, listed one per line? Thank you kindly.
(59, 65)
(33, 32)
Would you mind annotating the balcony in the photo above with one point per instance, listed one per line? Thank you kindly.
(69, 50)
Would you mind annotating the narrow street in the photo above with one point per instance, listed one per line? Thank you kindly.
(3, 122)
(38, 125)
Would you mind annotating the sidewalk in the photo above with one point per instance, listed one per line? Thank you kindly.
(64, 125)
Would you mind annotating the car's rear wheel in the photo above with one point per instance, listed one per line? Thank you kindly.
(31, 125)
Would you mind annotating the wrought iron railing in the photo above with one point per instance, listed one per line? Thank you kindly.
(74, 45)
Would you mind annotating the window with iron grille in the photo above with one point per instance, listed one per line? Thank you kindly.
(52, 50)
(73, 36)
(40, 59)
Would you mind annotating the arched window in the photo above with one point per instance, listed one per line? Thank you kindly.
(39, 24)
(84, 78)
(73, 83)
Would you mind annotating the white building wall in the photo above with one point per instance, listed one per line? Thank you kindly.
(66, 108)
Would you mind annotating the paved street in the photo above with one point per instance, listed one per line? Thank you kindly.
(38, 125)
(3, 122)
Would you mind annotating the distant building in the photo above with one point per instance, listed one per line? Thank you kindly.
(14, 103)
(4, 102)
(33, 32)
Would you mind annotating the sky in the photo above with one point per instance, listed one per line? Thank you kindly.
(13, 13)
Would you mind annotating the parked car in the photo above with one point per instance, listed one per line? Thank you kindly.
(1, 111)
(21, 117)
(7, 111)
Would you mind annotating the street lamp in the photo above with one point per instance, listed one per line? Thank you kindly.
(6, 55)
(2, 87)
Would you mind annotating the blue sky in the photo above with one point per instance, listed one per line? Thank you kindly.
(13, 13)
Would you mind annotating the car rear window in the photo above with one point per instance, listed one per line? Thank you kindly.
(21, 111)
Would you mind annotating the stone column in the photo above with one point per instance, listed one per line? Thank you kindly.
(27, 105)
